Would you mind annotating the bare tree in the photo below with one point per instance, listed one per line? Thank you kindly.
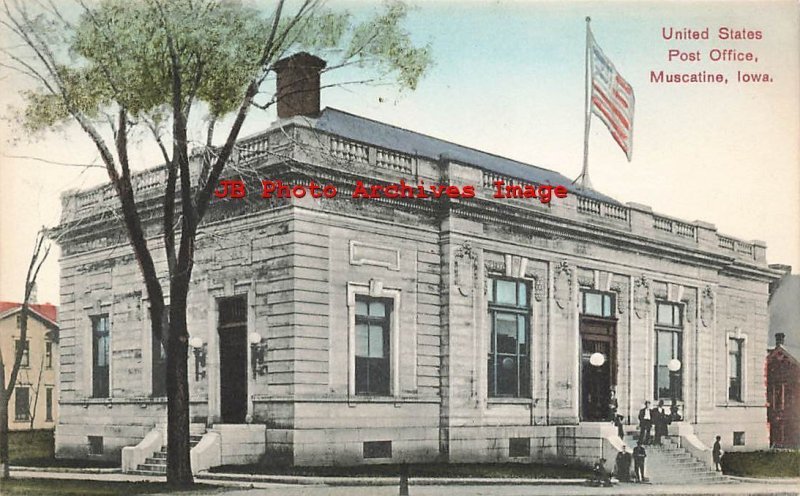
(149, 65)
(40, 251)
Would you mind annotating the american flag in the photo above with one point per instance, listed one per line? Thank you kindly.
(612, 98)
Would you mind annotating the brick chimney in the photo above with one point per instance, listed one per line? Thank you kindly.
(298, 85)
(779, 338)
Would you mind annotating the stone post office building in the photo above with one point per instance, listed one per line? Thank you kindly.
(346, 331)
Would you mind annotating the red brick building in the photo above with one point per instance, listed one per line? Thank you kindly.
(783, 395)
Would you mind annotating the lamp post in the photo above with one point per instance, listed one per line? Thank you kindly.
(674, 367)
(255, 341)
(198, 347)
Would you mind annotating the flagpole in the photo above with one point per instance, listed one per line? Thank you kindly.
(584, 177)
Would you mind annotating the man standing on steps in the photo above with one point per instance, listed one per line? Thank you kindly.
(622, 467)
(645, 423)
(639, 454)
(716, 453)
(660, 419)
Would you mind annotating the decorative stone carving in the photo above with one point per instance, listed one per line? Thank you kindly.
(707, 307)
(622, 296)
(495, 266)
(690, 301)
(660, 290)
(539, 284)
(465, 269)
(586, 278)
(641, 296)
(562, 285)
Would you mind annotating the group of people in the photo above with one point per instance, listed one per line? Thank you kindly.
(649, 418)
(657, 417)
(622, 467)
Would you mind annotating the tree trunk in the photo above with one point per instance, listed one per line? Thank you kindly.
(179, 470)
(4, 461)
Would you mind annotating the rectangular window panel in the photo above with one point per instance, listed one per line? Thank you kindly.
(519, 447)
(593, 304)
(735, 369)
(378, 449)
(362, 340)
(373, 321)
(664, 314)
(669, 314)
(100, 356)
(508, 365)
(738, 438)
(597, 303)
(49, 404)
(26, 353)
(48, 354)
(669, 345)
(376, 341)
(22, 404)
(95, 445)
(506, 292)
(233, 311)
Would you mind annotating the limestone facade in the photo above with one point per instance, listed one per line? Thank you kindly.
(302, 265)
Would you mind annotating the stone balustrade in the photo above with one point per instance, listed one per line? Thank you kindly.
(277, 144)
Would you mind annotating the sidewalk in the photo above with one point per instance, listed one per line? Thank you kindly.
(252, 485)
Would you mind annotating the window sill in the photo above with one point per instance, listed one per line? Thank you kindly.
(510, 401)
(740, 404)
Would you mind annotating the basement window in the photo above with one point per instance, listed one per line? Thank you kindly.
(378, 449)
(95, 445)
(519, 447)
(738, 438)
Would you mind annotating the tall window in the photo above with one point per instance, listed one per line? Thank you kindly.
(22, 403)
(598, 304)
(100, 352)
(669, 346)
(26, 355)
(509, 350)
(48, 405)
(735, 369)
(159, 359)
(48, 354)
(373, 318)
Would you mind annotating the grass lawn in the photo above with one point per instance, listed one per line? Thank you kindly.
(762, 463)
(52, 487)
(36, 449)
(498, 470)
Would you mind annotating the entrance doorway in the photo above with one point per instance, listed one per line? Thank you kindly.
(598, 374)
(233, 359)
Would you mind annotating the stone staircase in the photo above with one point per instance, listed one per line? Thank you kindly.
(672, 464)
(156, 465)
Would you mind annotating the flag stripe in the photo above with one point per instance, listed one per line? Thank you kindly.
(608, 119)
(620, 99)
(622, 119)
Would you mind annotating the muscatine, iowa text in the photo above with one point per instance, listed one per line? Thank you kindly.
(277, 189)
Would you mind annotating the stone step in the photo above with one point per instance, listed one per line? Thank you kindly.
(148, 473)
(158, 469)
(160, 454)
(155, 461)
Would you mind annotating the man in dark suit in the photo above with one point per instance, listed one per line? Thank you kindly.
(639, 454)
(660, 420)
(645, 423)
